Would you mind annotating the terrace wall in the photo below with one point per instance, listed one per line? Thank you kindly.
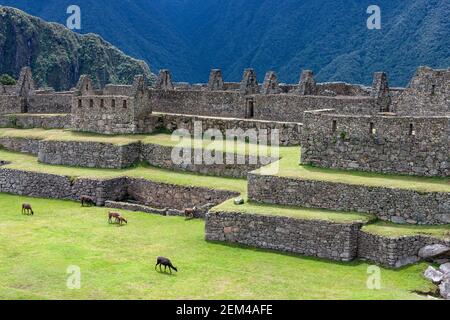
(162, 195)
(389, 144)
(88, 154)
(140, 191)
(161, 156)
(393, 252)
(396, 205)
(323, 239)
(25, 145)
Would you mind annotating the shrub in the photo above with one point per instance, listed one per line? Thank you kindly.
(7, 80)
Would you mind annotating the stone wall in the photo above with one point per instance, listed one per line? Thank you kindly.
(50, 102)
(290, 107)
(162, 195)
(161, 156)
(382, 143)
(88, 154)
(139, 191)
(43, 185)
(26, 145)
(396, 205)
(427, 94)
(341, 89)
(114, 110)
(29, 121)
(289, 132)
(393, 252)
(11, 104)
(206, 103)
(316, 238)
(108, 115)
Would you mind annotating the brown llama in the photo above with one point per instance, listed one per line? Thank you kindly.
(121, 220)
(112, 215)
(189, 213)
(26, 209)
(89, 201)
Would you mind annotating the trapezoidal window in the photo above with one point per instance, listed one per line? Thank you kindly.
(124, 104)
(250, 110)
(80, 103)
(113, 103)
(372, 129)
(102, 103)
(334, 126)
(412, 132)
(91, 103)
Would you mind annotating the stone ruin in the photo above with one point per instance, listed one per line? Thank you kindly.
(345, 126)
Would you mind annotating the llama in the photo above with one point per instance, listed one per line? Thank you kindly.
(26, 209)
(161, 261)
(189, 213)
(89, 201)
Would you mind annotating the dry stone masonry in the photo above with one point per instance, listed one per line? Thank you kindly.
(338, 125)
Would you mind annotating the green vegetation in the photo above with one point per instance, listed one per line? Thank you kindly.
(289, 167)
(60, 56)
(294, 212)
(327, 36)
(397, 230)
(118, 262)
(164, 139)
(26, 162)
(7, 80)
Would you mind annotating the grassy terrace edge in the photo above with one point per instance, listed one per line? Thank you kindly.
(392, 230)
(25, 162)
(288, 165)
(293, 212)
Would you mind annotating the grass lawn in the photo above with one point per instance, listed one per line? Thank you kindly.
(389, 229)
(294, 212)
(118, 262)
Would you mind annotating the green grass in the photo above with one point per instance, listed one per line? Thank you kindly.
(26, 162)
(398, 230)
(294, 212)
(118, 262)
(289, 167)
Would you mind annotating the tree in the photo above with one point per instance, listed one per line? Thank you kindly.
(7, 80)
